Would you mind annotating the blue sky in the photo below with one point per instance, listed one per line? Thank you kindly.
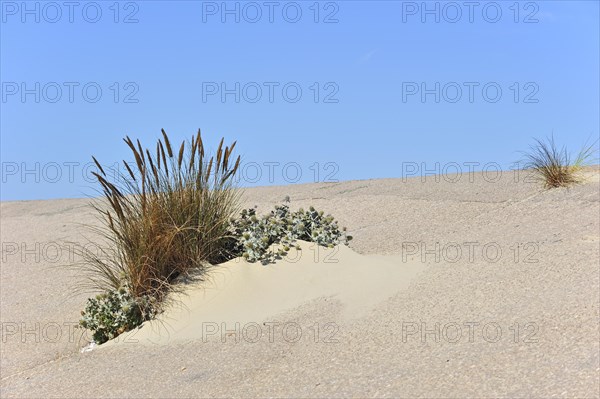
(361, 67)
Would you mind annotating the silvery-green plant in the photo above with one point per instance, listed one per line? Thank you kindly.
(114, 312)
(314, 226)
(254, 235)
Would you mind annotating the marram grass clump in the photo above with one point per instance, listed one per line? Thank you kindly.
(166, 214)
(254, 235)
(554, 166)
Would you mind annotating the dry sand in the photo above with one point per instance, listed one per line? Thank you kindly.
(399, 323)
(239, 294)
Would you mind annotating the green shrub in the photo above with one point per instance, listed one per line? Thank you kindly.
(254, 235)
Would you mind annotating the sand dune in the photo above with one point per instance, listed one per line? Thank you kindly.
(400, 315)
(252, 293)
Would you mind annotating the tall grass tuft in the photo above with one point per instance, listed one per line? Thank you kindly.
(554, 166)
(164, 215)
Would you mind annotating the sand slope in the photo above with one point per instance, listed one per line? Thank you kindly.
(251, 293)
(543, 299)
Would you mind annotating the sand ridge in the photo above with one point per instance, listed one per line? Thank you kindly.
(241, 292)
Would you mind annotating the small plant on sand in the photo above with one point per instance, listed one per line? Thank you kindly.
(554, 166)
(114, 312)
(314, 226)
(254, 235)
(162, 216)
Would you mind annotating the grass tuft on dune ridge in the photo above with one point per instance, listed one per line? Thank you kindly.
(554, 166)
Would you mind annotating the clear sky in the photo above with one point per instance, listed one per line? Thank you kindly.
(332, 90)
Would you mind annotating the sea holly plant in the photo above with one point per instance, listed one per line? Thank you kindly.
(313, 226)
(114, 312)
(254, 235)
